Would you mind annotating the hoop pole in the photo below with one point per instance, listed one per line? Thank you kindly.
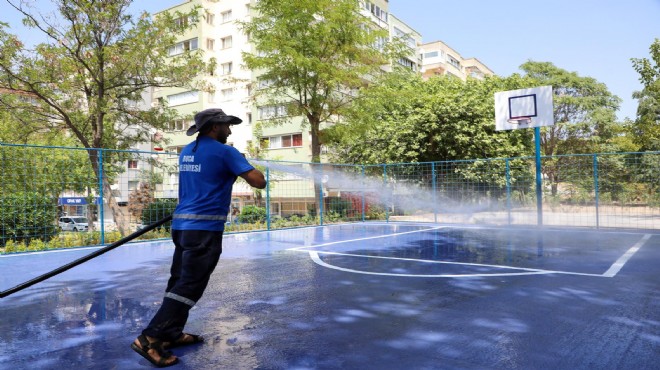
(539, 184)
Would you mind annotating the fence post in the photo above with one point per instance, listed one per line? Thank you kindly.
(102, 206)
(387, 213)
(435, 194)
(320, 180)
(508, 190)
(363, 201)
(596, 190)
(267, 198)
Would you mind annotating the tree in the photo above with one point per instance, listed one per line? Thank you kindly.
(90, 74)
(646, 130)
(584, 114)
(403, 118)
(584, 110)
(313, 54)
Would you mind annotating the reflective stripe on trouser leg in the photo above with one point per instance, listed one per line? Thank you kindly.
(179, 298)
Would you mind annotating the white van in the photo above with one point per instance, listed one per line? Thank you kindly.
(73, 224)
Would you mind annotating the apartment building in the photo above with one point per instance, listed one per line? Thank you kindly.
(438, 58)
(219, 37)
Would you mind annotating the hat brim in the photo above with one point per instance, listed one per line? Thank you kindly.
(232, 120)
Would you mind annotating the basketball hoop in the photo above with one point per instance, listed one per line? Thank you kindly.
(520, 121)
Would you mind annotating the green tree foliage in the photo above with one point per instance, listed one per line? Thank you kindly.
(89, 75)
(44, 170)
(313, 54)
(646, 130)
(584, 111)
(585, 119)
(25, 216)
(403, 118)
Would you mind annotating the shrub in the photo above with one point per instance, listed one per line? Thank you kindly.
(24, 215)
(36, 245)
(252, 214)
(340, 206)
(375, 213)
(11, 246)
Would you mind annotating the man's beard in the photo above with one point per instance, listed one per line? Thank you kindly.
(222, 139)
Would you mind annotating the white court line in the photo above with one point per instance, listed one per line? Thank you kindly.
(365, 238)
(528, 271)
(616, 266)
(611, 272)
(547, 228)
(62, 250)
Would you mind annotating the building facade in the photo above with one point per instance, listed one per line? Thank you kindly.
(219, 37)
(439, 59)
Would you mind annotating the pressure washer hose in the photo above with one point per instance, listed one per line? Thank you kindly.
(86, 258)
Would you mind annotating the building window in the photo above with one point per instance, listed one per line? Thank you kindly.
(379, 43)
(264, 83)
(227, 94)
(249, 118)
(271, 111)
(226, 42)
(182, 47)
(187, 97)
(133, 185)
(210, 44)
(376, 11)
(226, 68)
(132, 164)
(407, 63)
(210, 18)
(226, 16)
(182, 22)
(409, 40)
(178, 125)
(212, 97)
(453, 61)
(431, 54)
(283, 141)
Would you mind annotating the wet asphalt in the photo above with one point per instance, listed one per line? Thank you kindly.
(490, 299)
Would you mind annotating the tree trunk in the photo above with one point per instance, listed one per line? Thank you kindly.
(316, 158)
(117, 214)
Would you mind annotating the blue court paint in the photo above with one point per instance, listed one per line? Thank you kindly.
(270, 306)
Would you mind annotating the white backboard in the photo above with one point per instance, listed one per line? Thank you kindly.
(535, 103)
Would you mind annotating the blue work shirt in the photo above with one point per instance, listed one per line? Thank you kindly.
(206, 177)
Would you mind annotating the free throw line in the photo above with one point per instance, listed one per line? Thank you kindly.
(314, 255)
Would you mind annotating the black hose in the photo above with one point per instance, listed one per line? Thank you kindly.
(86, 258)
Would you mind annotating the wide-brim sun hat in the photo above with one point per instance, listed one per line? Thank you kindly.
(211, 115)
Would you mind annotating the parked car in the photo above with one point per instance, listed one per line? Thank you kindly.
(74, 223)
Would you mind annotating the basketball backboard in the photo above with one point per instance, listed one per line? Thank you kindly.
(524, 108)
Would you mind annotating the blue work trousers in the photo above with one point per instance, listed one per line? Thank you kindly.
(196, 254)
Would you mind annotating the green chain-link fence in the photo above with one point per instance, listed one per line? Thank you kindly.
(55, 197)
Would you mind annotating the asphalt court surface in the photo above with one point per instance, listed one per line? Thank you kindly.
(356, 296)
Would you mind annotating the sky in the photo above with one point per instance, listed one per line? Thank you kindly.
(594, 38)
